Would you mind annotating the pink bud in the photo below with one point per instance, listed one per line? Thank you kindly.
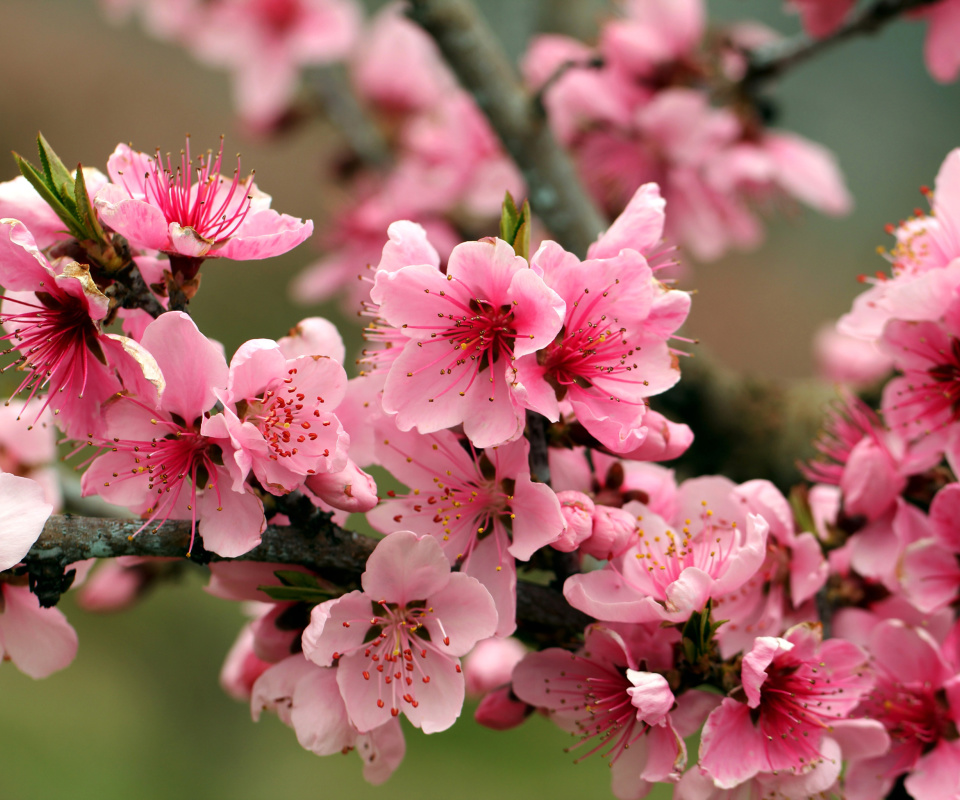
(500, 710)
(351, 489)
(274, 638)
(614, 529)
(577, 510)
(241, 667)
(490, 664)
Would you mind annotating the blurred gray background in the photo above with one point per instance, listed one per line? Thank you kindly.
(139, 714)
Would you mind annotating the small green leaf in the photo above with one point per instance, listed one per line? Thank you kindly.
(515, 225)
(58, 176)
(296, 578)
(38, 182)
(85, 212)
(296, 594)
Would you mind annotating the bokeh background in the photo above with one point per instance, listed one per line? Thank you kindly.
(140, 714)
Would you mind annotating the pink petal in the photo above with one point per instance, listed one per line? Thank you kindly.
(639, 226)
(940, 48)
(38, 640)
(318, 715)
(231, 523)
(405, 567)
(336, 627)
(538, 521)
(143, 224)
(467, 612)
(731, 748)
(23, 513)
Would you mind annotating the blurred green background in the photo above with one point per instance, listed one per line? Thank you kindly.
(139, 714)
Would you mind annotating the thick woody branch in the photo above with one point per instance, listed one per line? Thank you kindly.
(337, 555)
(480, 64)
(770, 63)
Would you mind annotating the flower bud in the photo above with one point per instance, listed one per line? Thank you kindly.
(577, 510)
(500, 710)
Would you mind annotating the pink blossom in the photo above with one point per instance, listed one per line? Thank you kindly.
(601, 695)
(924, 267)
(483, 507)
(266, 43)
(351, 489)
(397, 66)
(577, 510)
(424, 618)
(160, 463)
(164, 206)
(490, 308)
(279, 416)
(306, 697)
(611, 353)
(929, 572)
(52, 315)
(500, 710)
(242, 667)
(844, 359)
(672, 570)
(916, 700)
(794, 688)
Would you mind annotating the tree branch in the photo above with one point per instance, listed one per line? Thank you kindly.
(339, 556)
(771, 63)
(479, 62)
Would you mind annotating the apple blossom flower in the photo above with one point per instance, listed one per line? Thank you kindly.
(482, 508)
(404, 654)
(193, 215)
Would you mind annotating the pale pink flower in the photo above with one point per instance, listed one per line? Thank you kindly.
(482, 507)
(672, 570)
(929, 572)
(924, 264)
(52, 316)
(601, 695)
(279, 416)
(266, 43)
(160, 463)
(424, 617)
(306, 698)
(190, 210)
(794, 687)
(463, 331)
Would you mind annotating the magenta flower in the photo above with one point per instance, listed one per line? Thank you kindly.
(795, 688)
(52, 316)
(600, 695)
(482, 507)
(160, 463)
(191, 210)
(463, 331)
(403, 655)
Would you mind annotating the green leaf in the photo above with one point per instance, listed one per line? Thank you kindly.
(58, 176)
(296, 594)
(296, 578)
(85, 212)
(39, 182)
(515, 225)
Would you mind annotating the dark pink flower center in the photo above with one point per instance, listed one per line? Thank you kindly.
(55, 336)
(911, 713)
(202, 201)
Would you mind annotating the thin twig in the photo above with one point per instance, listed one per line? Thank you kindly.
(772, 62)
